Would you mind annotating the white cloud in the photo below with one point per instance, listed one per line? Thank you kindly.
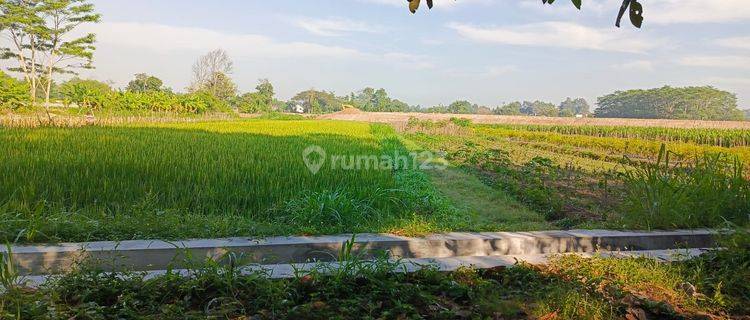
(696, 11)
(496, 71)
(170, 39)
(412, 61)
(637, 65)
(736, 42)
(741, 62)
(729, 81)
(554, 34)
(334, 27)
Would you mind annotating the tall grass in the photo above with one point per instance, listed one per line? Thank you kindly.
(706, 192)
(160, 179)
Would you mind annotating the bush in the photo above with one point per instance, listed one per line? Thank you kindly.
(14, 94)
(89, 94)
(707, 193)
(95, 95)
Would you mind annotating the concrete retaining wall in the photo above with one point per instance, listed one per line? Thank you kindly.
(145, 255)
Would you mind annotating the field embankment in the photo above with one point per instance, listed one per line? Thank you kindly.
(395, 117)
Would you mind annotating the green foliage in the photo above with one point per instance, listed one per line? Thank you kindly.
(99, 96)
(9, 276)
(721, 275)
(145, 83)
(85, 93)
(539, 108)
(43, 45)
(704, 136)
(221, 178)
(569, 287)
(571, 107)
(708, 192)
(703, 103)
(220, 86)
(372, 100)
(316, 102)
(14, 94)
(261, 101)
(509, 109)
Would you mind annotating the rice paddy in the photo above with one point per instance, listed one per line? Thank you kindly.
(176, 179)
(196, 179)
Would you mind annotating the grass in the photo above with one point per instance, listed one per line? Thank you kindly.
(583, 177)
(218, 178)
(711, 286)
(488, 208)
(205, 179)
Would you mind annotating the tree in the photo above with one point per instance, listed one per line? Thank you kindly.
(510, 109)
(39, 31)
(145, 83)
(317, 101)
(13, 93)
(256, 102)
(539, 108)
(633, 6)
(571, 107)
(703, 103)
(462, 107)
(372, 100)
(211, 74)
(86, 93)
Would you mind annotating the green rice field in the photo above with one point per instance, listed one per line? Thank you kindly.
(219, 178)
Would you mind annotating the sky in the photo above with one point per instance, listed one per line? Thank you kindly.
(486, 51)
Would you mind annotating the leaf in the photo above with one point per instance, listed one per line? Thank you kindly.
(577, 3)
(636, 13)
(414, 5)
(429, 4)
(625, 5)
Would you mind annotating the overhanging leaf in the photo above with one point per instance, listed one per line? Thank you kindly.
(577, 3)
(636, 13)
(625, 5)
(414, 5)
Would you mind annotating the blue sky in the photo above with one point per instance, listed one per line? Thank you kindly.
(485, 51)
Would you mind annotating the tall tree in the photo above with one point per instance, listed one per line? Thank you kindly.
(256, 102)
(211, 74)
(704, 103)
(145, 83)
(509, 109)
(41, 39)
(20, 21)
(571, 107)
(314, 101)
(539, 108)
(373, 100)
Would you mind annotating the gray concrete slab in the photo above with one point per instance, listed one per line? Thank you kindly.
(145, 255)
(285, 271)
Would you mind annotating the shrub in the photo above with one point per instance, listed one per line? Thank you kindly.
(90, 94)
(13, 93)
(706, 193)
(99, 96)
